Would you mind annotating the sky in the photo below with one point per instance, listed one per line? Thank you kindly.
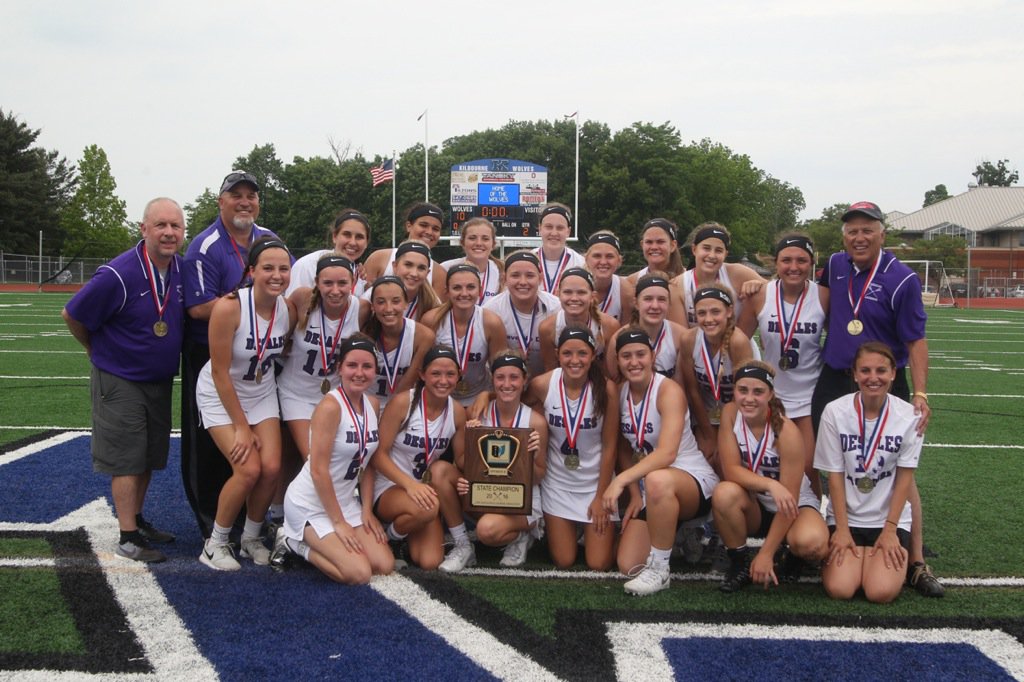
(875, 99)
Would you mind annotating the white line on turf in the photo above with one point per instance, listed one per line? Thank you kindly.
(480, 646)
(639, 653)
(168, 645)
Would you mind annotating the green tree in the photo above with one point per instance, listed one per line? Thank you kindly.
(952, 251)
(995, 175)
(201, 212)
(95, 221)
(826, 231)
(35, 186)
(263, 163)
(935, 195)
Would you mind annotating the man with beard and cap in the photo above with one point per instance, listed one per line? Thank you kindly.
(214, 265)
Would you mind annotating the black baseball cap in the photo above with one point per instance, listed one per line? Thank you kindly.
(236, 177)
(864, 208)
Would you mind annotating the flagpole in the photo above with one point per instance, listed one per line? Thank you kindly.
(576, 205)
(394, 191)
(426, 155)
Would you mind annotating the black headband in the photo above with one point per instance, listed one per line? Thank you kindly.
(527, 256)
(632, 335)
(421, 210)
(357, 343)
(508, 360)
(462, 267)
(711, 233)
(663, 224)
(332, 261)
(579, 334)
(564, 212)
(651, 281)
(605, 238)
(797, 240)
(387, 279)
(578, 272)
(262, 245)
(412, 247)
(754, 372)
(352, 215)
(439, 353)
(712, 292)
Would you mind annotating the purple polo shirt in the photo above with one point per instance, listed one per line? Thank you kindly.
(892, 311)
(118, 309)
(213, 268)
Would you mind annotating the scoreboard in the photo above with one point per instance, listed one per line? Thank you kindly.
(507, 192)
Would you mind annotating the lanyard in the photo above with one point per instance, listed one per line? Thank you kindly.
(755, 456)
(869, 448)
(788, 328)
(572, 422)
(638, 415)
(391, 370)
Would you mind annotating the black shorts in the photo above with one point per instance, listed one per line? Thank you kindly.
(703, 506)
(866, 537)
(767, 518)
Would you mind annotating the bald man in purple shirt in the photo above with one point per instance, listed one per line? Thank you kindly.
(130, 319)
(875, 297)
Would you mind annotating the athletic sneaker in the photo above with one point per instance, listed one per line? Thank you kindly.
(692, 547)
(737, 577)
(515, 551)
(253, 548)
(139, 552)
(152, 533)
(279, 557)
(219, 557)
(459, 558)
(921, 579)
(651, 579)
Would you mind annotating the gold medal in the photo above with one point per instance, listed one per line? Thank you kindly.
(784, 363)
(461, 387)
(855, 327)
(160, 328)
(865, 484)
(259, 375)
(325, 387)
(572, 462)
(426, 476)
(715, 415)
(638, 455)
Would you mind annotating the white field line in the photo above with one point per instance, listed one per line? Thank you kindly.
(639, 654)
(46, 352)
(19, 377)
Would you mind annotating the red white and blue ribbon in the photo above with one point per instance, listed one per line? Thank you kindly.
(550, 284)
(462, 351)
(496, 418)
(255, 332)
(527, 339)
(864, 291)
(638, 414)
(572, 422)
(362, 425)
(428, 443)
(391, 370)
(711, 367)
(869, 448)
(787, 328)
(755, 456)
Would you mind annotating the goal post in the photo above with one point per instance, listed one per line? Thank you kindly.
(936, 289)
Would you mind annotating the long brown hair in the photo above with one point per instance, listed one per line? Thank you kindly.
(777, 410)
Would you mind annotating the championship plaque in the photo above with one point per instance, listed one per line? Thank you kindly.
(499, 469)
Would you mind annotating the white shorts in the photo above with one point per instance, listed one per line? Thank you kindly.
(295, 406)
(212, 412)
(568, 505)
(296, 517)
(797, 408)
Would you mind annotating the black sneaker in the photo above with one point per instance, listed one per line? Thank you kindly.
(790, 567)
(139, 552)
(400, 548)
(920, 577)
(152, 533)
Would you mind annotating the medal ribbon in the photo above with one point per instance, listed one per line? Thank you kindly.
(563, 260)
(234, 245)
(254, 319)
(362, 425)
(334, 339)
(410, 311)
(463, 351)
(428, 446)
(638, 417)
(867, 454)
(483, 282)
(496, 418)
(607, 302)
(525, 341)
(572, 422)
(864, 291)
(660, 338)
(708, 361)
(151, 278)
(787, 328)
(391, 371)
(755, 456)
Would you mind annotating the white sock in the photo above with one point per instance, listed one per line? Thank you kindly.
(219, 536)
(252, 529)
(393, 534)
(660, 557)
(459, 534)
(300, 548)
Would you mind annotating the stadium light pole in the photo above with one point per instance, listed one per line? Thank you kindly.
(576, 188)
(426, 156)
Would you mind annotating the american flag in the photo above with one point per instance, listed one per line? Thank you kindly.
(383, 173)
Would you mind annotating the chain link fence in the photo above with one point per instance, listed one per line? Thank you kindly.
(16, 268)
